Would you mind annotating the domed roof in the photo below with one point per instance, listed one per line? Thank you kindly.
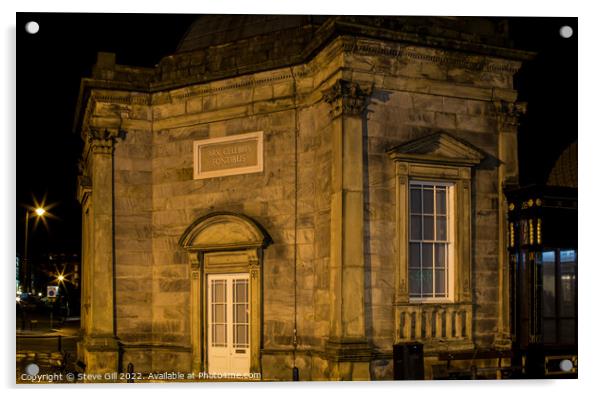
(213, 30)
(564, 172)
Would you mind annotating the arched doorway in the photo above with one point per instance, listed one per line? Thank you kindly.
(225, 251)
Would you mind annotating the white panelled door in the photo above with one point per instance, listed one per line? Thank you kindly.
(228, 323)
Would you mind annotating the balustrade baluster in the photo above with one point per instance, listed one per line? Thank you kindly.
(439, 313)
(448, 323)
(418, 328)
(428, 318)
(469, 324)
(459, 316)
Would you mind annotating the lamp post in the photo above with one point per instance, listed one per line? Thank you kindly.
(39, 212)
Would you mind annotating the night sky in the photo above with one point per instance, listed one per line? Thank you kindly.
(51, 63)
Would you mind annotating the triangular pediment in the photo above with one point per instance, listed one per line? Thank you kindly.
(439, 147)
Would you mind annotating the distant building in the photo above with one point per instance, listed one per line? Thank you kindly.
(300, 192)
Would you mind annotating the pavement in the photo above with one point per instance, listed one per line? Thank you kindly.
(50, 347)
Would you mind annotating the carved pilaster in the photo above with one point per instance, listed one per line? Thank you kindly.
(256, 313)
(347, 340)
(508, 116)
(347, 98)
(100, 347)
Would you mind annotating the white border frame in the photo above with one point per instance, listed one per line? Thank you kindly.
(197, 145)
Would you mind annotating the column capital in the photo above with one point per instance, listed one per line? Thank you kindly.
(509, 113)
(101, 140)
(195, 263)
(347, 98)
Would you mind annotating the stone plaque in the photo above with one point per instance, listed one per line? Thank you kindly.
(231, 155)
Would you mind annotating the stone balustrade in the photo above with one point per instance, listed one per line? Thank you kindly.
(434, 322)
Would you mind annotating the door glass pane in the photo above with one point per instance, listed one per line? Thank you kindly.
(220, 313)
(219, 335)
(240, 314)
(241, 336)
(219, 291)
(240, 291)
(240, 309)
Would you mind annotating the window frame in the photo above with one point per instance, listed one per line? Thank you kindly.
(461, 178)
(439, 156)
(449, 241)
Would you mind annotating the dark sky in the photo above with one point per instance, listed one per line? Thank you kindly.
(51, 63)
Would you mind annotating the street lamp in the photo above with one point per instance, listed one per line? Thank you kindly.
(61, 280)
(39, 212)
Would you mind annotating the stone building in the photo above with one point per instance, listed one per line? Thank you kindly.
(299, 192)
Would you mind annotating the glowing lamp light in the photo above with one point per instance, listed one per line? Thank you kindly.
(40, 211)
(60, 277)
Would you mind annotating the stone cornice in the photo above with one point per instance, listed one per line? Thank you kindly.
(398, 35)
(447, 58)
(348, 44)
(499, 61)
